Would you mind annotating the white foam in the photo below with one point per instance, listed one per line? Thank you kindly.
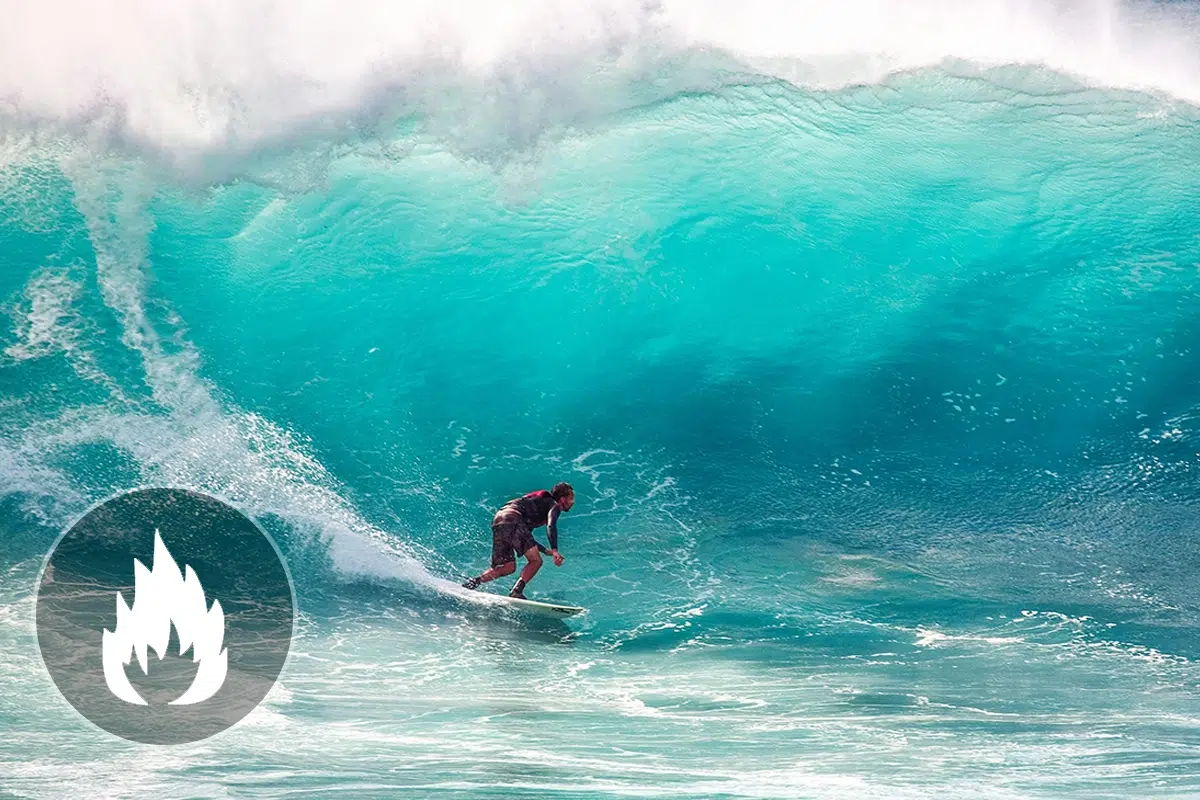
(1109, 43)
(225, 75)
(44, 322)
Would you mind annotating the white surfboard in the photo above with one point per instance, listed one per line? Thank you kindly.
(543, 609)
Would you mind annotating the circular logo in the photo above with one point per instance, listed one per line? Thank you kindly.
(164, 616)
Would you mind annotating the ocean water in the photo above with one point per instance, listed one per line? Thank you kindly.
(867, 336)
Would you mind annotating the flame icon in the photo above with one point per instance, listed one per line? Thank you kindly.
(162, 597)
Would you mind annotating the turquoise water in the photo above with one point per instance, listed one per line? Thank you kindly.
(879, 398)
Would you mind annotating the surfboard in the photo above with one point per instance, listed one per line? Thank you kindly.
(543, 609)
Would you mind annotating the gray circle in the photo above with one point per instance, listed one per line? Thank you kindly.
(142, 572)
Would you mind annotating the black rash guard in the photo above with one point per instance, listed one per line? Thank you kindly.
(536, 509)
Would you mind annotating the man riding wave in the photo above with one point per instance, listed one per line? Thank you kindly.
(512, 535)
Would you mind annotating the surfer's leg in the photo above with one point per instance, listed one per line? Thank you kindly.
(504, 557)
(532, 564)
(492, 574)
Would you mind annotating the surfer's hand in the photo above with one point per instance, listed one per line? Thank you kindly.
(558, 559)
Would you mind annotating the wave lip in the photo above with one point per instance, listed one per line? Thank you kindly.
(202, 77)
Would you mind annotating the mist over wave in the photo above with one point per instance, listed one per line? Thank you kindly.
(200, 83)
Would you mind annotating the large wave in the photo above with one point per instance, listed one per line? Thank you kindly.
(864, 274)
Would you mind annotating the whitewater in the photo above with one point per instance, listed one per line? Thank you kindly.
(866, 333)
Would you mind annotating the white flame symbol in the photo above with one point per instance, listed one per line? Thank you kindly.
(163, 596)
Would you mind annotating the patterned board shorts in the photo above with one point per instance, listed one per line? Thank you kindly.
(510, 540)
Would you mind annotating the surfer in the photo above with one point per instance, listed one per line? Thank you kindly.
(512, 535)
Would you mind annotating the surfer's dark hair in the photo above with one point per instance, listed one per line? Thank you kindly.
(561, 490)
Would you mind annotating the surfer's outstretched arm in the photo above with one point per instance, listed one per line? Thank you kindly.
(552, 534)
(552, 528)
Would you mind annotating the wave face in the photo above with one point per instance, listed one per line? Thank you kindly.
(868, 341)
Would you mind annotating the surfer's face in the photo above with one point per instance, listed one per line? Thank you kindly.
(565, 503)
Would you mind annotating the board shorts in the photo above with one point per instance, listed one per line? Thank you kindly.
(510, 540)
